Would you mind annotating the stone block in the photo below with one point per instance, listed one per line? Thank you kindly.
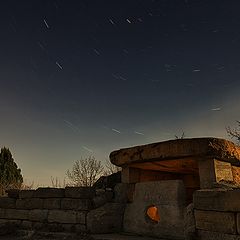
(238, 223)
(29, 203)
(170, 225)
(209, 235)
(223, 222)
(38, 215)
(206, 173)
(106, 219)
(80, 228)
(54, 227)
(76, 204)
(217, 199)
(99, 201)
(223, 171)
(81, 217)
(39, 226)
(13, 193)
(17, 214)
(168, 197)
(79, 192)
(26, 225)
(52, 203)
(7, 202)
(8, 227)
(121, 193)
(26, 194)
(130, 175)
(49, 193)
(159, 192)
(189, 223)
(2, 213)
(236, 175)
(62, 216)
(67, 227)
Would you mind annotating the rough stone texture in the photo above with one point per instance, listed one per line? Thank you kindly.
(236, 175)
(52, 203)
(29, 203)
(121, 193)
(79, 192)
(238, 223)
(39, 226)
(26, 224)
(211, 147)
(26, 194)
(223, 222)
(38, 215)
(207, 173)
(76, 204)
(13, 193)
(189, 223)
(81, 217)
(208, 235)
(80, 228)
(49, 193)
(169, 198)
(223, 171)
(7, 202)
(106, 219)
(99, 201)
(2, 213)
(62, 216)
(217, 199)
(108, 181)
(17, 214)
(131, 175)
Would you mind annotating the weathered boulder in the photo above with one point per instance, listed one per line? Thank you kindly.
(106, 219)
(189, 223)
(108, 181)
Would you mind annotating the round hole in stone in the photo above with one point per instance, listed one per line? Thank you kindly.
(152, 214)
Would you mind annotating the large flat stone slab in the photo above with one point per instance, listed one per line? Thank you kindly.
(223, 222)
(178, 149)
(217, 199)
(169, 198)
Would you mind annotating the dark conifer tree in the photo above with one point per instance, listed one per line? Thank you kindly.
(10, 174)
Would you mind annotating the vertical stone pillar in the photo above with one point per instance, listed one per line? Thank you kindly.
(212, 171)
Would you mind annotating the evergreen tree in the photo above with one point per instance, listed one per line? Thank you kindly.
(10, 174)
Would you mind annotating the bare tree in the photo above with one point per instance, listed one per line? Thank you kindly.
(110, 168)
(56, 183)
(85, 172)
(181, 137)
(234, 132)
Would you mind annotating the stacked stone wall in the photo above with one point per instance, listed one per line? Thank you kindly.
(72, 209)
(217, 214)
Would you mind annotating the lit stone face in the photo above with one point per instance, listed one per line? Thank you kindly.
(152, 214)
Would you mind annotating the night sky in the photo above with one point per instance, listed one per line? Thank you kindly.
(80, 78)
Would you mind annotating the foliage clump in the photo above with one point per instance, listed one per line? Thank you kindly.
(10, 174)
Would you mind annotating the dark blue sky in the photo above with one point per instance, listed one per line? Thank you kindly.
(88, 77)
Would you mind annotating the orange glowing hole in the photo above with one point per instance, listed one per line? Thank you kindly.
(152, 213)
